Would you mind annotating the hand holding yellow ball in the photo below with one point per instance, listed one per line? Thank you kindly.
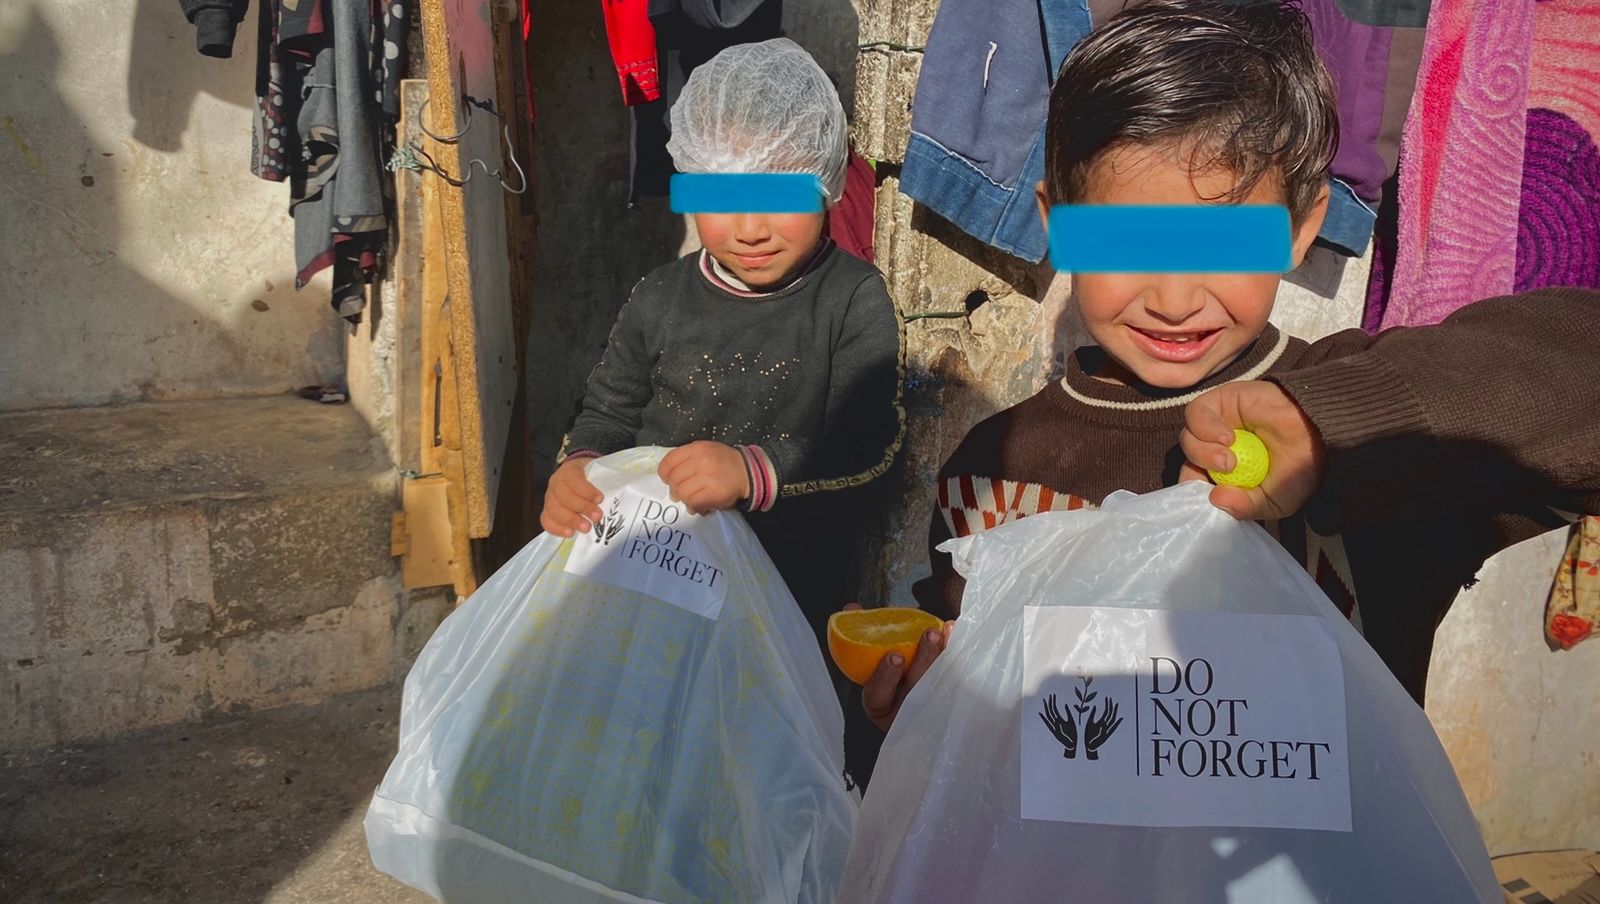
(1251, 462)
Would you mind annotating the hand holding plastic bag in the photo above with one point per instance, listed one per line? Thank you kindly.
(640, 713)
(1153, 702)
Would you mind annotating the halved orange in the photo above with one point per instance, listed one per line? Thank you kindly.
(858, 639)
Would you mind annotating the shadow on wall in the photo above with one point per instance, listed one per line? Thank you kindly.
(162, 98)
(829, 30)
(134, 273)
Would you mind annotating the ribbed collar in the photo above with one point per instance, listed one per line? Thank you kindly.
(720, 278)
(1138, 404)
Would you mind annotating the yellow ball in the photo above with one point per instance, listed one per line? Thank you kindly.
(1251, 465)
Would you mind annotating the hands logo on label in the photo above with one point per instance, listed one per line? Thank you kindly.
(610, 524)
(1156, 718)
(1098, 725)
(648, 543)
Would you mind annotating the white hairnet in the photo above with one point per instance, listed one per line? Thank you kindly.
(761, 108)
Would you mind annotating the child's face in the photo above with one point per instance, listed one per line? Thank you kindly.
(1173, 330)
(762, 249)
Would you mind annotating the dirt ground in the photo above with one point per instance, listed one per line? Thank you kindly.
(263, 807)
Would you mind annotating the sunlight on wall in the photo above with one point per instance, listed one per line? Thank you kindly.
(144, 260)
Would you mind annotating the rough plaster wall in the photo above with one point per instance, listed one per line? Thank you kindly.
(1518, 720)
(592, 248)
(142, 259)
(372, 369)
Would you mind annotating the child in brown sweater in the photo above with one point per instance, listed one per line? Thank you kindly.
(1399, 462)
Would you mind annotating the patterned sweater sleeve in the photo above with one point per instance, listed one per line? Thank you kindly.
(1493, 413)
(619, 387)
(978, 455)
(940, 592)
(864, 422)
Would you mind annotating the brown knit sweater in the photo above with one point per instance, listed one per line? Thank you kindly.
(1444, 445)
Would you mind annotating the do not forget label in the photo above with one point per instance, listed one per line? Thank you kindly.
(1154, 718)
(648, 543)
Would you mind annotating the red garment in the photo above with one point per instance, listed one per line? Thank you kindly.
(527, 55)
(850, 221)
(633, 49)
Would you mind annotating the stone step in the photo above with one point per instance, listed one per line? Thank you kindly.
(160, 562)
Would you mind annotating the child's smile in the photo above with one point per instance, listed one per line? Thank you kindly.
(762, 250)
(1176, 347)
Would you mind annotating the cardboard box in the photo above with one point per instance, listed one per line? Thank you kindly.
(1550, 877)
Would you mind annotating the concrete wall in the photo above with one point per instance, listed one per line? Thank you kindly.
(1519, 720)
(162, 562)
(142, 260)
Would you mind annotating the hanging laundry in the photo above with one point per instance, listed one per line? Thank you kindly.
(633, 49)
(977, 123)
(327, 103)
(688, 33)
(1374, 70)
(331, 75)
(1558, 223)
(215, 23)
(1573, 612)
(1459, 216)
(527, 56)
(1462, 149)
(851, 221)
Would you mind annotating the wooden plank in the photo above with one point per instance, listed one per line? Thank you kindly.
(516, 519)
(458, 38)
(427, 558)
(441, 425)
(408, 303)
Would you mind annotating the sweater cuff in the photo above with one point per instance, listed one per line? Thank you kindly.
(1380, 457)
(214, 30)
(763, 479)
(576, 454)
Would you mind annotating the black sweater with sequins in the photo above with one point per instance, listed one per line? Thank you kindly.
(809, 374)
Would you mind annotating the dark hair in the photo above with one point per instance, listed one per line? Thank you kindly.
(1236, 85)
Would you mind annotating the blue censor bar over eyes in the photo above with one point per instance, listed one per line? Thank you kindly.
(1180, 238)
(746, 193)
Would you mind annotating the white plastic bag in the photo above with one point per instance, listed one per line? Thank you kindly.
(1153, 703)
(662, 729)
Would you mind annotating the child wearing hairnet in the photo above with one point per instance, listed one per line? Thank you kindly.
(770, 359)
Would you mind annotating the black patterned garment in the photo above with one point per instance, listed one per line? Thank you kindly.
(327, 96)
(806, 375)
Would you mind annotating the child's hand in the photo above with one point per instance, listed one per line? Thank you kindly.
(1291, 439)
(706, 476)
(888, 686)
(571, 503)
